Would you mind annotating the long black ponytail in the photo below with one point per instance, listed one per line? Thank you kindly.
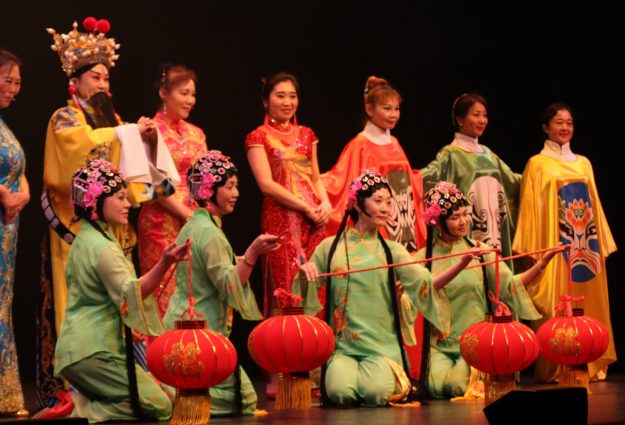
(328, 307)
(422, 390)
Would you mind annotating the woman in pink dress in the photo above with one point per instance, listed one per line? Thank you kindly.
(283, 158)
(161, 220)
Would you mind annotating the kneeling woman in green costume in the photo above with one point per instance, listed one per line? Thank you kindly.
(104, 293)
(219, 283)
(447, 212)
(373, 312)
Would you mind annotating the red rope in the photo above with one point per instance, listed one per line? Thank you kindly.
(526, 254)
(171, 273)
(190, 311)
(405, 263)
(442, 257)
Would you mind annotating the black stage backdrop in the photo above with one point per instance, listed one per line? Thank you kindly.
(519, 55)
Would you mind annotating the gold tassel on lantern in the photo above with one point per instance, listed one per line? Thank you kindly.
(294, 391)
(191, 407)
(574, 376)
(496, 386)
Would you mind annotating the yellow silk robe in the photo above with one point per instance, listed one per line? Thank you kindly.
(70, 143)
(559, 203)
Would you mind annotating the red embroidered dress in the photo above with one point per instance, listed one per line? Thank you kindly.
(289, 151)
(157, 227)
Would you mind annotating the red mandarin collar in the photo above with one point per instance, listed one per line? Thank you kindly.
(288, 132)
(176, 125)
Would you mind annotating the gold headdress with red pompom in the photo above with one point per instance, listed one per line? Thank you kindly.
(77, 49)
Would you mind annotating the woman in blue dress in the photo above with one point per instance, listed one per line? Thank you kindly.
(14, 195)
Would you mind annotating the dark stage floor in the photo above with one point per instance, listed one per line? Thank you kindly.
(606, 405)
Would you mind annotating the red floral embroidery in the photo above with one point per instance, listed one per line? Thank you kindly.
(123, 308)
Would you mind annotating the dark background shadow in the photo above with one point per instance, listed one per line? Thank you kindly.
(520, 56)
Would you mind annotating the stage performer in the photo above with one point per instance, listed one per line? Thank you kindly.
(560, 203)
(161, 220)
(376, 149)
(448, 217)
(14, 195)
(87, 128)
(372, 313)
(491, 188)
(219, 283)
(104, 297)
(283, 158)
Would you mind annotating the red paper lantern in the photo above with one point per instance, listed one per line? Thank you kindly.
(501, 346)
(191, 356)
(293, 342)
(574, 340)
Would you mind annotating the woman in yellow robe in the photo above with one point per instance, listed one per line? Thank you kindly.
(560, 203)
(83, 130)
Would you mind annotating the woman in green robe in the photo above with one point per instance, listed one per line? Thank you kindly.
(219, 282)
(491, 187)
(447, 212)
(104, 296)
(372, 313)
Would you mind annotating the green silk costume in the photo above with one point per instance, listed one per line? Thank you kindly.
(366, 364)
(103, 294)
(489, 185)
(449, 374)
(217, 290)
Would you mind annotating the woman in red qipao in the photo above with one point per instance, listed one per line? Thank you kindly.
(160, 221)
(374, 148)
(283, 159)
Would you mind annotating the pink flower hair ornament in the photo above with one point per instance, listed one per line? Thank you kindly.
(368, 179)
(205, 191)
(99, 178)
(352, 193)
(211, 169)
(432, 215)
(441, 201)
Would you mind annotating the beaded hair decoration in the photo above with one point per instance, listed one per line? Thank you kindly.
(91, 182)
(362, 183)
(77, 49)
(441, 201)
(208, 171)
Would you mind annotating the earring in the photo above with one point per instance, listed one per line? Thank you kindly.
(440, 233)
(164, 109)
